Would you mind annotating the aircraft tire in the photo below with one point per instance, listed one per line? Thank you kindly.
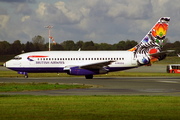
(89, 76)
(26, 76)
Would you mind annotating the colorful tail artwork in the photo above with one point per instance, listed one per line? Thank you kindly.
(152, 42)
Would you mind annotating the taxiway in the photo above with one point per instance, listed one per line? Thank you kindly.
(168, 86)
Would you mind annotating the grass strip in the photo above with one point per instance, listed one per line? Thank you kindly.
(111, 74)
(14, 87)
(90, 107)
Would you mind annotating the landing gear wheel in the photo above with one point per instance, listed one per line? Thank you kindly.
(26, 76)
(89, 76)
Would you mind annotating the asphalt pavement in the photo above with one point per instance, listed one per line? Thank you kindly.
(167, 86)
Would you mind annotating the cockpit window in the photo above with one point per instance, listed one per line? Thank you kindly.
(17, 58)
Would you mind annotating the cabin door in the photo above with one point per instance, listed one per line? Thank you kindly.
(133, 59)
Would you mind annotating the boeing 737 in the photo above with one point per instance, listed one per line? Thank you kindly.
(89, 63)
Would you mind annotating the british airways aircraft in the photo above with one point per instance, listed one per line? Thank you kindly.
(90, 63)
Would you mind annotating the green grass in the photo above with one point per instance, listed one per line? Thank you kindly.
(91, 107)
(10, 73)
(13, 87)
(1, 63)
(111, 74)
(169, 60)
(137, 74)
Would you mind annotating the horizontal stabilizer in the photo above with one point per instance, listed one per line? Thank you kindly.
(161, 53)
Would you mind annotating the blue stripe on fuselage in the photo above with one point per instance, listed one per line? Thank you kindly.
(58, 69)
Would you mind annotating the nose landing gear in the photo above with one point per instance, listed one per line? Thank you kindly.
(24, 73)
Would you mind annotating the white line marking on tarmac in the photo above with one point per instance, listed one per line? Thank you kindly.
(169, 81)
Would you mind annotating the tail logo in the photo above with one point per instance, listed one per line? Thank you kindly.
(159, 31)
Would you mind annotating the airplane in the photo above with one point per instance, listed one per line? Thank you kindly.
(89, 63)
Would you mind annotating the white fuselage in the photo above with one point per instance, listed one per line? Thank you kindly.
(56, 61)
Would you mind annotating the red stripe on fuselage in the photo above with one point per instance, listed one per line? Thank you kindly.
(37, 56)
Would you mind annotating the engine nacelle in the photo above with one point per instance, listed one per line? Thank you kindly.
(79, 71)
(143, 59)
(103, 71)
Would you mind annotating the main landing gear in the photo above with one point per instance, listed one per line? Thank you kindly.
(24, 73)
(89, 76)
(26, 76)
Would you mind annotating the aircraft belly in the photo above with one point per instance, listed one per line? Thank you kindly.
(37, 69)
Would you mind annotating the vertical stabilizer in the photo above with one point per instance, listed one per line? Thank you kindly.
(152, 42)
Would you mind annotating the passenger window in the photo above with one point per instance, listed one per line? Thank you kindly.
(97, 58)
(46, 58)
(122, 58)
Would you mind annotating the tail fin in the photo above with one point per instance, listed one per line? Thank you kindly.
(153, 41)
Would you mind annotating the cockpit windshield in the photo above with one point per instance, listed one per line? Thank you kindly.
(17, 58)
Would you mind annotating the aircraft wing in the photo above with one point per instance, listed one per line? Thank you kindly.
(98, 65)
(161, 53)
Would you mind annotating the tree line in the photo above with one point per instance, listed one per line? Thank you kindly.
(38, 44)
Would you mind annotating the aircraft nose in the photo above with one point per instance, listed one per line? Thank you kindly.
(4, 64)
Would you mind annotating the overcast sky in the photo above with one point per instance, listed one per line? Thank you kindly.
(108, 21)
